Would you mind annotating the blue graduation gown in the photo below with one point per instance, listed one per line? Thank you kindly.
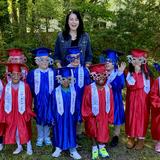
(80, 91)
(118, 84)
(64, 129)
(42, 99)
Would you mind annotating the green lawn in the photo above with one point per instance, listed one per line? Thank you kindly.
(118, 153)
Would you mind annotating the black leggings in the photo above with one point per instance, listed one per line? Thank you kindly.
(1, 139)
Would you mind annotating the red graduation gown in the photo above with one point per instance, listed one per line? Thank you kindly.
(137, 108)
(97, 126)
(155, 110)
(14, 120)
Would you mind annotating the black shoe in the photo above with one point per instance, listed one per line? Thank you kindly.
(114, 141)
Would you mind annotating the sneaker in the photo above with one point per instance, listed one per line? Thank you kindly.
(1, 147)
(18, 150)
(75, 155)
(39, 143)
(94, 155)
(103, 153)
(114, 141)
(29, 152)
(47, 141)
(157, 147)
(57, 152)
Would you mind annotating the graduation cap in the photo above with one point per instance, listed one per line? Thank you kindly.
(12, 52)
(73, 51)
(112, 55)
(14, 67)
(38, 52)
(16, 55)
(98, 68)
(64, 71)
(138, 53)
(157, 66)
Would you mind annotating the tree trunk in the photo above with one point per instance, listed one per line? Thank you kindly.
(22, 19)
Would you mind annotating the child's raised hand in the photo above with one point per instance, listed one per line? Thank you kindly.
(122, 67)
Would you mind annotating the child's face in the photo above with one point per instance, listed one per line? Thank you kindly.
(19, 59)
(66, 82)
(15, 76)
(101, 79)
(43, 62)
(109, 65)
(137, 61)
(75, 60)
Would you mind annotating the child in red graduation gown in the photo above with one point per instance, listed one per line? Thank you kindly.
(97, 110)
(15, 110)
(137, 99)
(155, 110)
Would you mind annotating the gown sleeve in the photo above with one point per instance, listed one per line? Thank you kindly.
(155, 95)
(119, 82)
(29, 113)
(30, 81)
(86, 104)
(111, 112)
(2, 113)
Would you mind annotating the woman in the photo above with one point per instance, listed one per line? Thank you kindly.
(73, 35)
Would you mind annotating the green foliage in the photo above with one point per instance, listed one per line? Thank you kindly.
(118, 24)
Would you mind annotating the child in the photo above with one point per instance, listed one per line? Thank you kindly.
(65, 111)
(155, 110)
(1, 125)
(16, 110)
(82, 77)
(117, 81)
(41, 82)
(137, 106)
(97, 110)
(16, 56)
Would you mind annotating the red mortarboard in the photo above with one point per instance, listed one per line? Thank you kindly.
(16, 67)
(98, 68)
(139, 53)
(15, 52)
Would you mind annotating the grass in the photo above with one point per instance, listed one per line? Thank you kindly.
(118, 153)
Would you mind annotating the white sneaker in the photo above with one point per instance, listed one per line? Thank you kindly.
(29, 152)
(29, 148)
(75, 155)
(57, 152)
(18, 150)
(1, 147)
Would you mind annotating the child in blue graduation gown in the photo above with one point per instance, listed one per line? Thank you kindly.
(41, 81)
(82, 77)
(65, 111)
(116, 80)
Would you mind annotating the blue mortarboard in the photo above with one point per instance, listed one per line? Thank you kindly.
(64, 72)
(157, 66)
(112, 55)
(73, 50)
(41, 51)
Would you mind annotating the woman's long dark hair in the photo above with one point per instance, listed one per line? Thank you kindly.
(80, 29)
(144, 69)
